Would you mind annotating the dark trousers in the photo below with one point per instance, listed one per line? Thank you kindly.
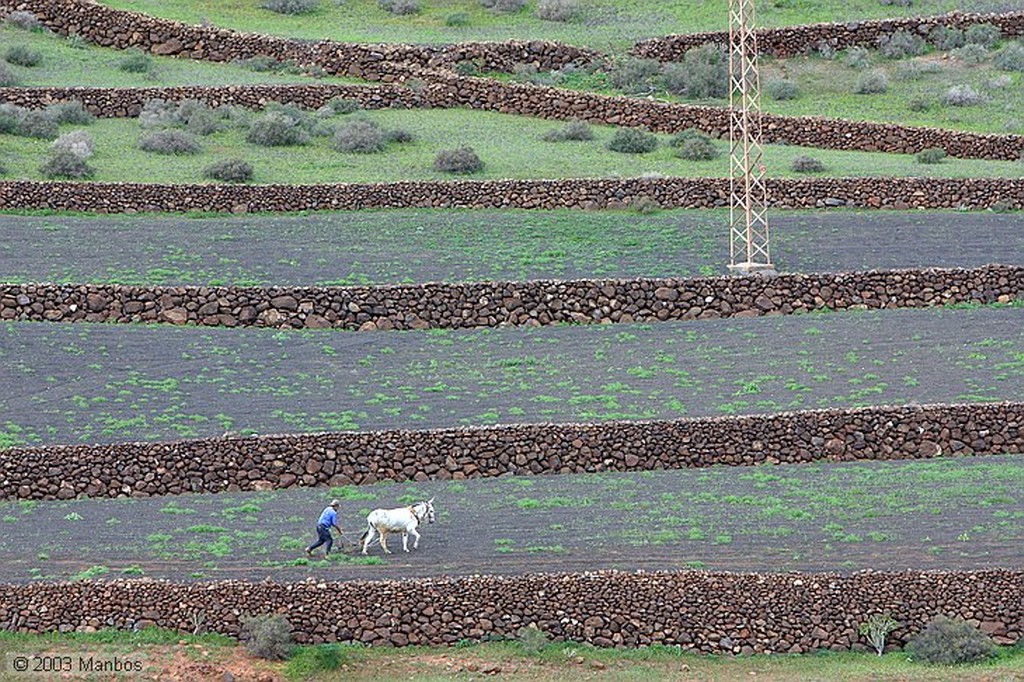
(324, 533)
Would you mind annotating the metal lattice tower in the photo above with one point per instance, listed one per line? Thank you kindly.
(748, 197)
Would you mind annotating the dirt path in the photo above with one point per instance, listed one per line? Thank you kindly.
(948, 514)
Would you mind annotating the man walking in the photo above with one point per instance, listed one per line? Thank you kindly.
(328, 519)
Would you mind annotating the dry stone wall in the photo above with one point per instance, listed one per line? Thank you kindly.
(887, 193)
(793, 40)
(492, 304)
(698, 611)
(346, 458)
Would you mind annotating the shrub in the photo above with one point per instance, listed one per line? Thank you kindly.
(644, 205)
(806, 164)
(23, 55)
(39, 124)
(457, 19)
(573, 130)
(158, 112)
(276, 129)
(532, 639)
(915, 69)
(72, 112)
(857, 58)
(946, 38)
(872, 83)
(1010, 58)
(268, 636)
(27, 21)
(632, 141)
(398, 136)
(78, 142)
(340, 105)
(66, 164)
(261, 63)
(290, 6)
(931, 156)
(949, 642)
(136, 61)
(557, 10)
(169, 142)
(204, 122)
(76, 42)
(507, 6)
(7, 77)
(919, 103)
(680, 138)
(962, 96)
(635, 75)
(705, 72)
(985, 35)
(782, 89)
(229, 170)
(460, 160)
(359, 136)
(901, 45)
(698, 149)
(400, 7)
(971, 54)
(876, 628)
(11, 116)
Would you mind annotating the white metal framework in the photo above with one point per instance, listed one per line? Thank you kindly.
(748, 197)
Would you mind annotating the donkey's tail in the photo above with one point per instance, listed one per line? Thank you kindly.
(365, 533)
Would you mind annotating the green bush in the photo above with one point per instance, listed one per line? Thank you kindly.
(339, 105)
(277, 129)
(985, 35)
(806, 164)
(857, 58)
(173, 142)
(931, 156)
(697, 147)
(950, 642)
(78, 142)
(781, 89)
(971, 54)
(136, 61)
(457, 19)
(260, 63)
(872, 83)
(290, 6)
(1010, 58)
(531, 639)
(919, 103)
(557, 10)
(310, 660)
(23, 55)
(632, 141)
(704, 73)
(398, 136)
(229, 170)
(359, 136)
(11, 116)
(462, 160)
(72, 112)
(962, 96)
(946, 38)
(506, 6)
(65, 164)
(268, 636)
(26, 21)
(39, 124)
(8, 78)
(573, 130)
(634, 75)
(400, 7)
(901, 45)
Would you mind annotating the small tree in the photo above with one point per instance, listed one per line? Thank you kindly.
(876, 628)
(946, 641)
(268, 636)
(632, 141)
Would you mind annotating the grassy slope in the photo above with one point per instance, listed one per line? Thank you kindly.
(510, 146)
(68, 63)
(603, 24)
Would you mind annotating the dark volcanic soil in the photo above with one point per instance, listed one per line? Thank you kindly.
(949, 514)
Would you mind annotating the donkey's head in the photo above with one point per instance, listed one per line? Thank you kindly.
(425, 510)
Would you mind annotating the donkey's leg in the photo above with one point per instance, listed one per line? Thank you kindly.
(370, 534)
(405, 541)
(384, 540)
(415, 538)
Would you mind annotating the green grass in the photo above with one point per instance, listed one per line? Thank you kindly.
(604, 24)
(510, 146)
(75, 63)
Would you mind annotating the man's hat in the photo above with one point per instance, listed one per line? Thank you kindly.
(335, 503)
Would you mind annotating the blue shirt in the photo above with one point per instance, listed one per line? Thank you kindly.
(328, 517)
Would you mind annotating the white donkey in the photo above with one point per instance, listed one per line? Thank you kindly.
(402, 520)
